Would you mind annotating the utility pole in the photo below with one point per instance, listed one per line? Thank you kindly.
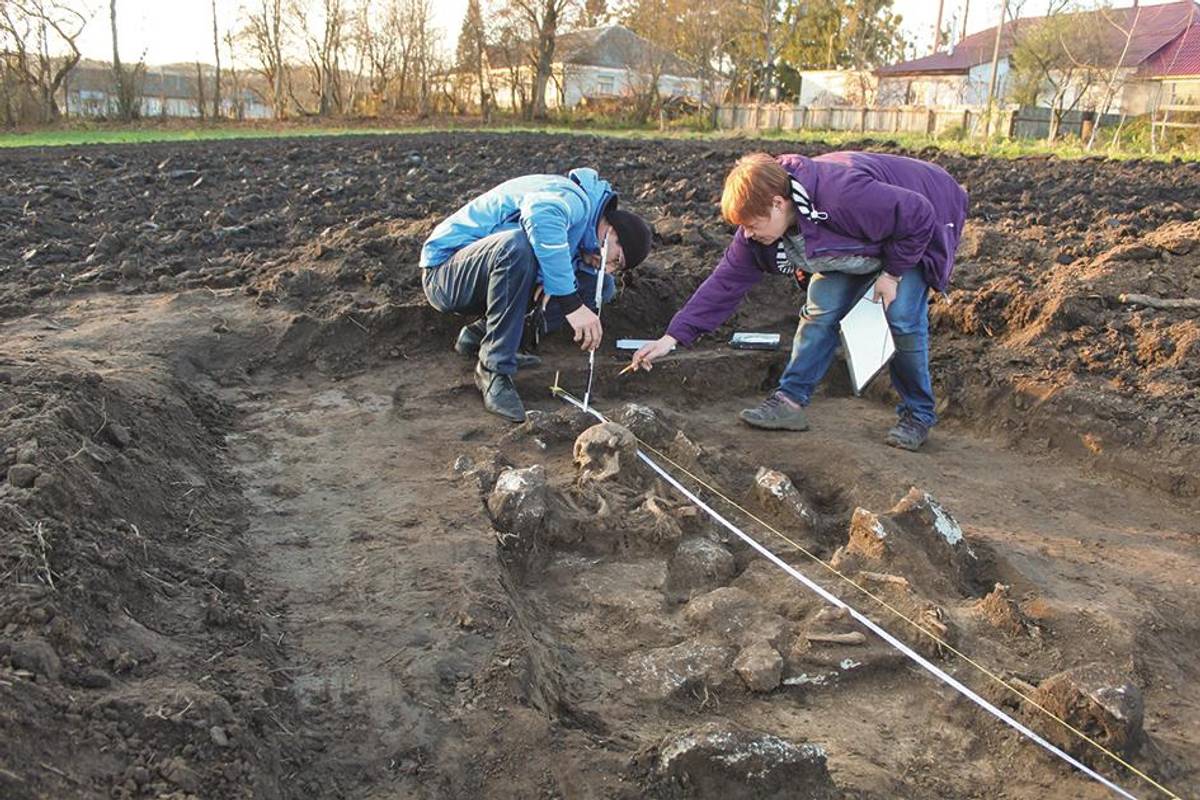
(991, 105)
(966, 15)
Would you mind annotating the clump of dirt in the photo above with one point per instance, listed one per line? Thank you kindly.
(1077, 351)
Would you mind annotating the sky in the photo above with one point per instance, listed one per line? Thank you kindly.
(166, 31)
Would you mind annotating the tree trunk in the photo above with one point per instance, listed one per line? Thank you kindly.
(277, 91)
(1056, 113)
(217, 53)
(118, 71)
(199, 90)
(545, 59)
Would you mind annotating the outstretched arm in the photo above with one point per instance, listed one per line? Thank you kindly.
(715, 300)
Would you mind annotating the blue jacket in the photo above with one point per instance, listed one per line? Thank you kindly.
(558, 214)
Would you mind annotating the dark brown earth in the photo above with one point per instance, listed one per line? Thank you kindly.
(249, 544)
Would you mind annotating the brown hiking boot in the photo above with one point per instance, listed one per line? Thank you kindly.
(776, 413)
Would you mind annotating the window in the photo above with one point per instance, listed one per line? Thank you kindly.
(606, 85)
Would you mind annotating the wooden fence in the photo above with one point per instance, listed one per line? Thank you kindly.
(966, 121)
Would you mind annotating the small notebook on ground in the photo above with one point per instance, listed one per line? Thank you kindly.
(866, 342)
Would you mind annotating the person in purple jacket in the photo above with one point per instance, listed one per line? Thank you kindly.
(851, 221)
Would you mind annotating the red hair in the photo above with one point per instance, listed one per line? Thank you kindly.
(751, 187)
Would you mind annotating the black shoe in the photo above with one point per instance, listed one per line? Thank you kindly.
(907, 433)
(499, 394)
(468, 345)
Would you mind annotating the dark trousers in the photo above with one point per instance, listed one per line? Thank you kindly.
(493, 277)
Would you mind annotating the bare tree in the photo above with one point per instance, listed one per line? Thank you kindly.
(594, 12)
(31, 32)
(200, 102)
(397, 44)
(472, 52)
(1113, 80)
(322, 30)
(655, 21)
(508, 45)
(126, 82)
(1057, 56)
(263, 34)
(235, 80)
(542, 19)
(373, 35)
(422, 58)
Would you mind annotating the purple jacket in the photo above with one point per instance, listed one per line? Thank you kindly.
(906, 212)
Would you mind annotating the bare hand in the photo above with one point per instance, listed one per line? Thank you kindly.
(644, 358)
(885, 289)
(586, 324)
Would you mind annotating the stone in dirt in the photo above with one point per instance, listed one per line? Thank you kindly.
(1094, 698)
(36, 656)
(1002, 613)
(23, 476)
(777, 590)
(699, 565)
(776, 491)
(717, 761)
(560, 426)
(760, 667)
(117, 434)
(177, 772)
(736, 616)
(485, 473)
(689, 668)
(917, 539)
(94, 679)
(519, 501)
(646, 423)
(606, 452)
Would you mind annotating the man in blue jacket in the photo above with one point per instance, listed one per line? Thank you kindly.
(535, 231)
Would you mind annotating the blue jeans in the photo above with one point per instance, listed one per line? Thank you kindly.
(830, 297)
(494, 277)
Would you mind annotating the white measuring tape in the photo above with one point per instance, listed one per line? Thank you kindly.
(587, 395)
(864, 620)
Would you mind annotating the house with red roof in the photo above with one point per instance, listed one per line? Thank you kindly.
(1154, 50)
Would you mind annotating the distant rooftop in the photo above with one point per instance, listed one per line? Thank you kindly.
(1154, 28)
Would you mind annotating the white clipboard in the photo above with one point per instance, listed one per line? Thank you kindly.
(866, 342)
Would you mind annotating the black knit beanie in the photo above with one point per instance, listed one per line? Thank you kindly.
(633, 233)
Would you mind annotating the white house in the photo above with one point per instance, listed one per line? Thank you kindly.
(596, 63)
(169, 91)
